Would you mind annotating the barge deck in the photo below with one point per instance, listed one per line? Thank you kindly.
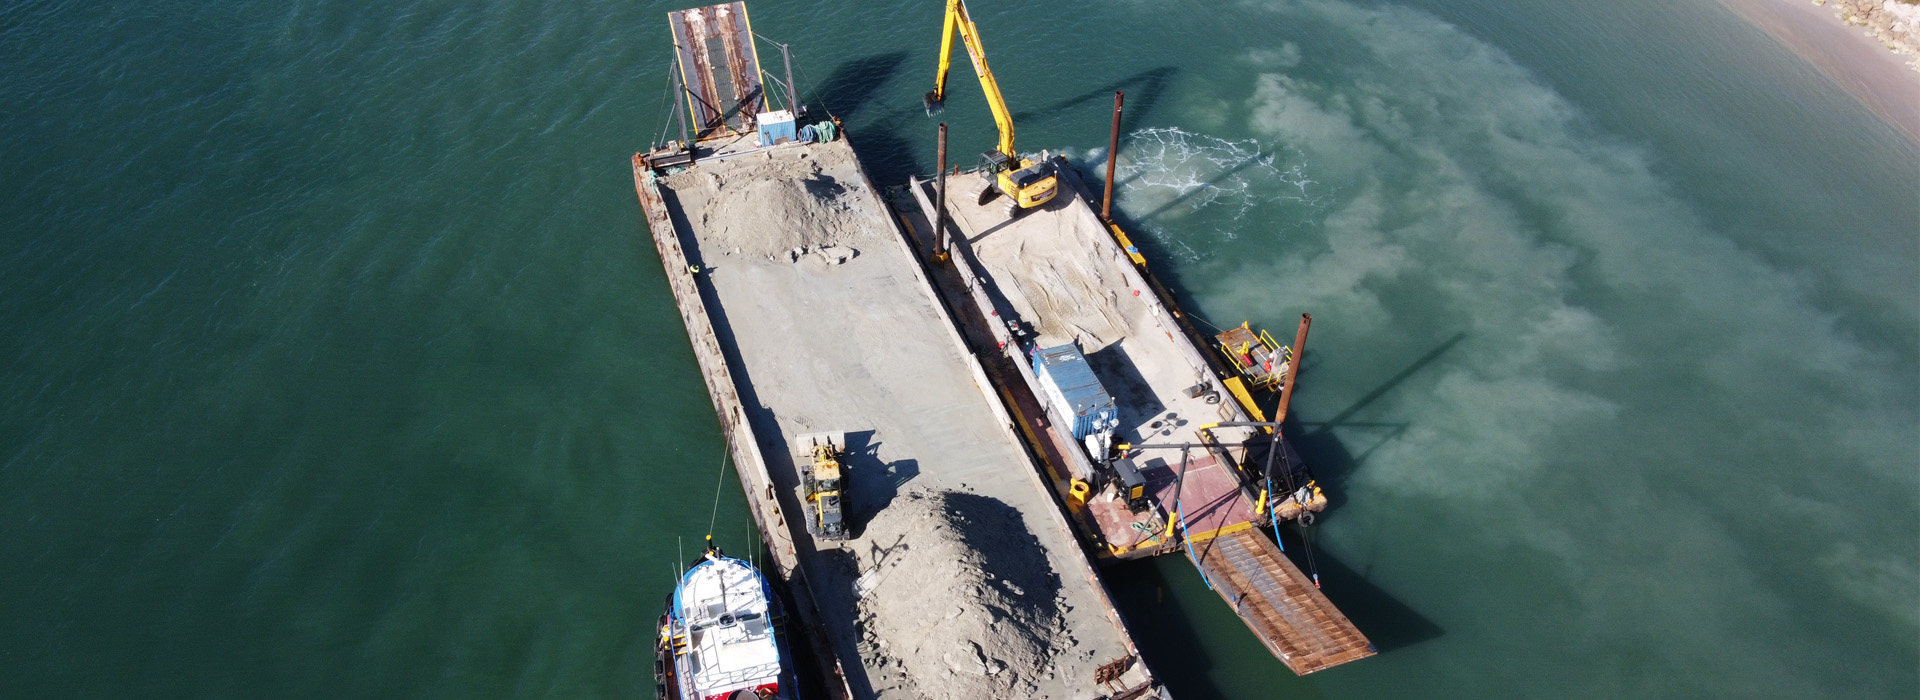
(847, 335)
(1056, 275)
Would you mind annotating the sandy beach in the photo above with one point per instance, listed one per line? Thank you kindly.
(1877, 77)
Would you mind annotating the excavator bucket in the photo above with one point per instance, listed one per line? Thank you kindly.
(803, 444)
(934, 103)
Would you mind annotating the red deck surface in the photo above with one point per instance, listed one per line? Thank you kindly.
(1210, 500)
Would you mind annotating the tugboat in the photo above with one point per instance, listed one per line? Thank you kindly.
(722, 637)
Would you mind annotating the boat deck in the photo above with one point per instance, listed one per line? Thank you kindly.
(863, 346)
(1058, 271)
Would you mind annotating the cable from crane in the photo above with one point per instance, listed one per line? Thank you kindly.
(670, 101)
(1180, 515)
(814, 90)
(1188, 541)
(1273, 516)
(811, 90)
(1306, 536)
(719, 480)
(1305, 517)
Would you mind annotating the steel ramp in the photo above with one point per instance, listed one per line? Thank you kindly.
(719, 68)
(1279, 603)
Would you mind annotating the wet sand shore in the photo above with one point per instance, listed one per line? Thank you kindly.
(1877, 77)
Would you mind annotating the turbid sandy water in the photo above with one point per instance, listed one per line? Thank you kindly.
(338, 365)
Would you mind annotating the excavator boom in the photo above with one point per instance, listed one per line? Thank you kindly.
(1026, 183)
(958, 20)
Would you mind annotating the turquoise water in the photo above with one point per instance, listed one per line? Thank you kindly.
(338, 363)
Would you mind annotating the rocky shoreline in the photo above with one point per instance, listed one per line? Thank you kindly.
(1895, 23)
(1858, 62)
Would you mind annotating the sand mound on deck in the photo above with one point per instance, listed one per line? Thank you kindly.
(780, 206)
(961, 601)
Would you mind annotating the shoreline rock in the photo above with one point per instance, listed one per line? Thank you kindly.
(1893, 23)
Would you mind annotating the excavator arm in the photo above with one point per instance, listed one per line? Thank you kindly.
(958, 21)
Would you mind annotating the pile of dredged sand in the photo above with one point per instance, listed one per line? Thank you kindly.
(959, 601)
(780, 206)
(1068, 290)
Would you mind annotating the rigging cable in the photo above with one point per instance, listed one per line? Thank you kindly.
(1273, 516)
(815, 92)
(1305, 517)
(1273, 500)
(667, 100)
(1180, 514)
(1190, 314)
(803, 73)
(1278, 445)
(1306, 536)
(719, 479)
(1277, 448)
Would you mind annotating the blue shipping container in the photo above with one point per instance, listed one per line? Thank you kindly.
(776, 127)
(1069, 385)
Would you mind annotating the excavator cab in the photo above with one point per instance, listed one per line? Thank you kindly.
(1026, 183)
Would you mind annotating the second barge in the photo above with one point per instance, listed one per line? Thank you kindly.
(1186, 475)
(1146, 437)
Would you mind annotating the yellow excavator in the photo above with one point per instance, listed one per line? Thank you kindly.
(1026, 183)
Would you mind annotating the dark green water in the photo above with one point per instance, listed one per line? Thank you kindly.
(337, 363)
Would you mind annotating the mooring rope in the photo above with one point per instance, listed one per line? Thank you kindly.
(719, 479)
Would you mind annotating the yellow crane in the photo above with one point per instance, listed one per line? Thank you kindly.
(1027, 183)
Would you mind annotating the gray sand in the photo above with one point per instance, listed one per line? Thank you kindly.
(959, 597)
(781, 209)
(1065, 299)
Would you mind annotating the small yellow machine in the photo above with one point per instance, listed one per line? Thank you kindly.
(820, 483)
(1259, 359)
(1026, 183)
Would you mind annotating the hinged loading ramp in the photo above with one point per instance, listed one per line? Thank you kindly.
(718, 67)
(1282, 607)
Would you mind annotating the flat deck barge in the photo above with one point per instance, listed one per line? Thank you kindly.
(808, 312)
(1058, 275)
(789, 348)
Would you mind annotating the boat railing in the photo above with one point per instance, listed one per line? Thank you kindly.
(720, 679)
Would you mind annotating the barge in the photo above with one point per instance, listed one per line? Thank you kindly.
(809, 314)
(1152, 443)
(1191, 465)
